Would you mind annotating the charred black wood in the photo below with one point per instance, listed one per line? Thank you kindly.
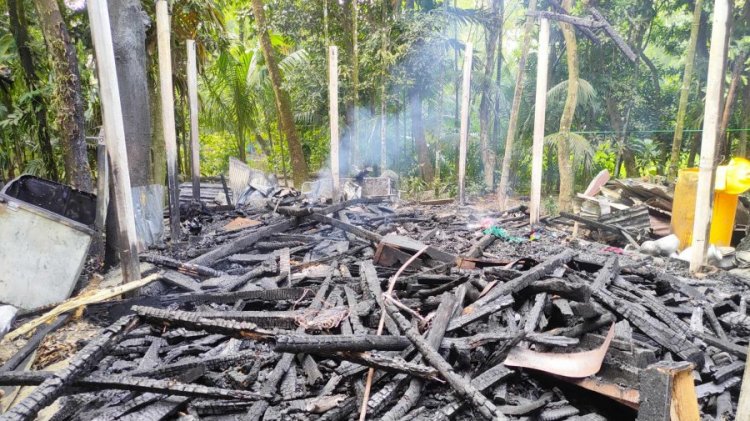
(384, 362)
(271, 384)
(167, 387)
(241, 243)
(52, 388)
(192, 320)
(265, 319)
(570, 290)
(188, 268)
(352, 229)
(661, 333)
(607, 273)
(279, 294)
(434, 338)
(181, 280)
(534, 274)
(478, 312)
(464, 389)
(212, 363)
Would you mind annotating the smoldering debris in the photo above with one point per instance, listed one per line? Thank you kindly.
(276, 318)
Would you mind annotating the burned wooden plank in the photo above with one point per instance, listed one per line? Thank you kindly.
(256, 411)
(474, 313)
(53, 387)
(523, 281)
(188, 268)
(464, 389)
(209, 363)
(241, 243)
(193, 320)
(136, 384)
(435, 335)
(278, 294)
(352, 229)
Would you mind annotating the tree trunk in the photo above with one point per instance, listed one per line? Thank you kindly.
(19, 28)
(283, 104)
(725, 144)
(745, 121)
(502, 192)
(685, 91)
(356, 147)
(485, 120)
(417, 132)
(129, 44)
(70, 117)
(498, 71)
(565, 201)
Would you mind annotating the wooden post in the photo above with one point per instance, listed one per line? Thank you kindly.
(540, 110)
(333, 116)
(192, 82)
(167, 115)
(711, 120)
(114, 136)
(464, 135)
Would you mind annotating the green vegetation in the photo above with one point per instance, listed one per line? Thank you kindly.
(399, 64)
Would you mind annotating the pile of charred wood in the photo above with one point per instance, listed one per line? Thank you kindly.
(306, 313)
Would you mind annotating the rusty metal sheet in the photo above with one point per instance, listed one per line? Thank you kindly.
(240, 223)
(574, 365)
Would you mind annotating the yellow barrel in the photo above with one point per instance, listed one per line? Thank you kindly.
(731, 181)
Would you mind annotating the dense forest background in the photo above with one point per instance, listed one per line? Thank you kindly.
(264, 88)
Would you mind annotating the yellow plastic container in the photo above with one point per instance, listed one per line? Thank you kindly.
(732, 180)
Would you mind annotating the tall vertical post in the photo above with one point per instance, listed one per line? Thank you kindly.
(711, 118)
(114, 136)
(540, 110)
(192, 82)
(167, 114)
(464, 136)
(333, 117)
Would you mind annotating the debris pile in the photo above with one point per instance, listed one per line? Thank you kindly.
(276, 313)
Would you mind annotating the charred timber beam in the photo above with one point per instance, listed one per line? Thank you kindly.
(210, 363)
(321, 344)
(264, 319)
(523, 281)
(435, 335)
(384, 362)
(188, 268)
(194, 321)
(607, 273)
(271, 383)
(477, 313)
(241, 243)
(279, 294)
(51, 388)
(166, 387)
(464, 389)
(573, 291)
(352, 229)
(661, 333)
